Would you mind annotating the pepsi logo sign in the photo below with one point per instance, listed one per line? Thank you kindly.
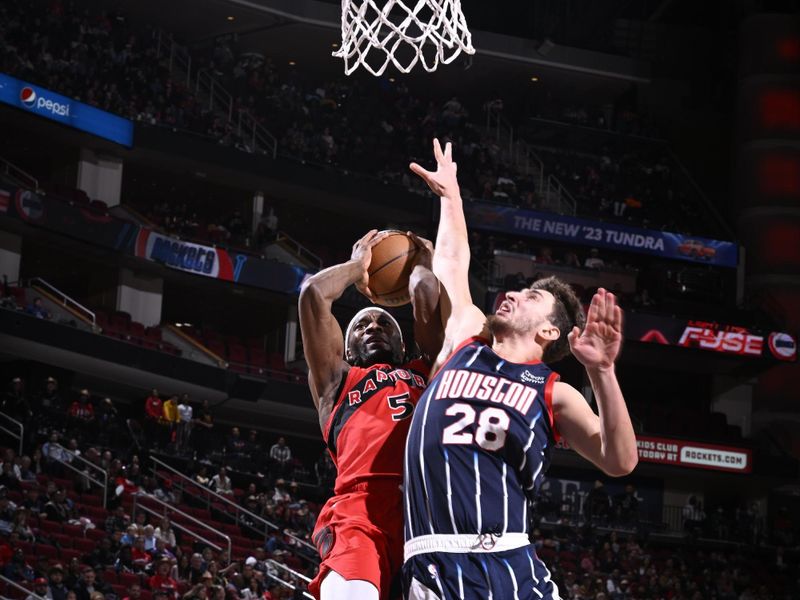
(27, 96)
(783, 346)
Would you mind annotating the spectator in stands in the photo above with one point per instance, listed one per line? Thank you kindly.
(165, 532)
(37, 309)
(89, 584)
(139, 555)
(254, 451)
(161, 580)
(58, 591)
(197, 567)
(154, 418)
(21, 526)
(545, 256)
(280, 456)
(571, 260)
(221, 483)
(15, 402)
(325, 470)
(50, 402)
(26, 469)
(81, 415)
(201, 476)
(8, 476)
(203, 426)
(184, 424)
(236, 447)
(54, 454)
(627, 505)
(57, 508)
(117, 520)
(593, 261)
(129, 538)
(598, 503)
(149, 536)
(134, 592)
(170, 419)
(40, 589)
(102, 556)
(17, 569)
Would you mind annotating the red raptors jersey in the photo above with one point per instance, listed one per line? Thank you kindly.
(366, 432)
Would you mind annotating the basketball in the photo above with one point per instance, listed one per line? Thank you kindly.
(390, 269)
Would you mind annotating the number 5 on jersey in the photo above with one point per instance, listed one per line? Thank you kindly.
(490, 435)
(400, 403)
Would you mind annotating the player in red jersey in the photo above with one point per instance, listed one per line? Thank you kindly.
(365, 394)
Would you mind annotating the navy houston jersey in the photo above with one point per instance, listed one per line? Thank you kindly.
(479, 445)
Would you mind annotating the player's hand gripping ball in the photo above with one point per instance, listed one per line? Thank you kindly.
(392, 258)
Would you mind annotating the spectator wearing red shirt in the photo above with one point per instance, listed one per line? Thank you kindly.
(81, 415)
(162, 581)
(154, 417)
(140, 557)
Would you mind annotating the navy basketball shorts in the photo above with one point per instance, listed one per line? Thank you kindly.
(516, 574)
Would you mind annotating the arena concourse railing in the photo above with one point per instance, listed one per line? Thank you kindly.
(24, 592)
(288, 585)
(276, 565)
(17, 434)
(101, 476)
(232, 508)
(63, 299)
(141, 501)
(14, 172)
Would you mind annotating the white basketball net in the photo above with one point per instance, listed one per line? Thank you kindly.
(372, 37)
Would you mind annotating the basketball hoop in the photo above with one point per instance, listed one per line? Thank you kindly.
(374, 36)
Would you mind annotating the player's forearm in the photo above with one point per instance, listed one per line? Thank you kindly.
(451, 257)
(619, 451)
(329, 284)
(423, 288)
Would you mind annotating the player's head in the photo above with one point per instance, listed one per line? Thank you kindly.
(547, 310)
(373, 336)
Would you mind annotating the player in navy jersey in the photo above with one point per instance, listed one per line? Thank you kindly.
(481, 435)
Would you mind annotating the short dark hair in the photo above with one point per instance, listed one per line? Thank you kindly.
(567, 313)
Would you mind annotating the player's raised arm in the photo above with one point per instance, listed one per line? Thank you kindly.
(323, 341)
(423, 287)
(606, 440)
(451, 258)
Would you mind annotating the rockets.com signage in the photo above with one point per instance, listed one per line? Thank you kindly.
(55, 107)
(711, 336)
(184, 256)
(696, 455)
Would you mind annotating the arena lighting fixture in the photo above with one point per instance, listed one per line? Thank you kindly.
(334, 45)
(391, 79)
(292, 63)
(231, 18)
(534, 79)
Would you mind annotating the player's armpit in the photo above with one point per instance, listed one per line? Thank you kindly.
(580, 427)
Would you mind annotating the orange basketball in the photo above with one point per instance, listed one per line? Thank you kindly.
(390, 269)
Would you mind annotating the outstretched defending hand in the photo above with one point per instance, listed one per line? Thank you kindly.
(362, 252)
(443, 182)
(598, 346)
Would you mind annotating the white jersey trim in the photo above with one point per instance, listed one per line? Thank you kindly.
(464, 543)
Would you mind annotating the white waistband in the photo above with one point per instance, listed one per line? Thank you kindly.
(462, 543)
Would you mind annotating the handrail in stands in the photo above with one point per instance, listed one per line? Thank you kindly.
(75, 457)
(169, 507)
(28, 593)
(64, 299)
(14, 171)
(268, 525)
(19, 436)
(278, 565)
(298, 249)
(284, 583)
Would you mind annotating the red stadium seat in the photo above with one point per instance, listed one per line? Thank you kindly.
(47, 551)
(73, 530)
(68, 554)
(129, 579)
(96, 535)
(64, 541)
(84, 545)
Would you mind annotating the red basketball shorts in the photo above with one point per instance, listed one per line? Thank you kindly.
(359, 534)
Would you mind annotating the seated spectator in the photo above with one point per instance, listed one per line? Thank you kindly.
(593, 261)
(325, 470)
(37, 309)
(17, 569)
(21, 526)
(281, 455)
(118, 520)
(141, 558)
(57, 508)
(57, 591)
(201, 476)
(134, 592)
(9, 477)
(102, 556)
(162, 581)
(40, 589)
(149, 538)
(15, 401)
(165, 532)
(90, 584)
(221, 483)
